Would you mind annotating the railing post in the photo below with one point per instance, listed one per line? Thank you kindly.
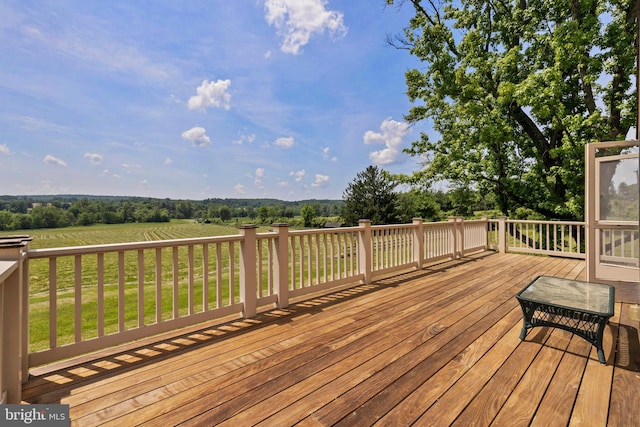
(460, 226)
(454, 237)
(281, 261)
(248, 268)
(14, 318)
(418, 242)
(365, 250)
(485, 236)
(502, 234)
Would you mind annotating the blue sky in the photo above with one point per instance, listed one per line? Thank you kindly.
(192, 99)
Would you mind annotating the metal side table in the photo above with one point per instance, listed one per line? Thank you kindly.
(583, 308)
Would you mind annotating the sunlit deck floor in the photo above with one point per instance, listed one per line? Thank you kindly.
(433, 347)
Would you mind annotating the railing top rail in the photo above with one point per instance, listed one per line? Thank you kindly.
(610, 144)
(437, 224)
(116, 247)
(475, 221)
(325, 230)
(529, 221)
(393, 226)
(6, 268)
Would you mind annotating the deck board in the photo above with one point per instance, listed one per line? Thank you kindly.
(438, 346)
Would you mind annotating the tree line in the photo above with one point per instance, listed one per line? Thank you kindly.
(372, 195)
(30, 212)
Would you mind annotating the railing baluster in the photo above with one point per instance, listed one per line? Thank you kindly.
(191, 278)
(53, 303)
(205, 277)
(259, 267)
(100, 296)
(309, 264)
(176, 283)
(302, 261)
(141, 321)
(121, 284)
(77, 312)
(158, 285)
(219, 267)
(232, 273)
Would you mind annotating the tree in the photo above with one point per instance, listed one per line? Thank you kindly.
(308, 213)
(370, 196)
(515, 89)
(418, 204)
(225, 213)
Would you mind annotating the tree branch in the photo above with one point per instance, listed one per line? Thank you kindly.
(417, 4)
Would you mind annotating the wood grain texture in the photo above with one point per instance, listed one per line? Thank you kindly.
(439, 346)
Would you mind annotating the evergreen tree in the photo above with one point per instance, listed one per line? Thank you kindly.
(370, 196)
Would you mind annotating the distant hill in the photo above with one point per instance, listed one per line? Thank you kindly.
(231, 202)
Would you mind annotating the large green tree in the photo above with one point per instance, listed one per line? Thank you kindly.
(514, 89)
(370, 196)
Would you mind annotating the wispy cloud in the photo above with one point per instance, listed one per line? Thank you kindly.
(326, 154)
(4, 149)
(244, 139)
(51, 160)
(93, 44)
(297, 176)
(34, 123)
(239, 189)
(284, 142)
(321, 181)
(94, 159)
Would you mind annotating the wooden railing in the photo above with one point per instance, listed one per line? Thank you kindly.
(555, 238)
(13, 317)
(94, 297)
(620, 245)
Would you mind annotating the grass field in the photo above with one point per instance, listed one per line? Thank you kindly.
(120, 233)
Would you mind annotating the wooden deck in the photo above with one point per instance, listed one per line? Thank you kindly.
(433, 347)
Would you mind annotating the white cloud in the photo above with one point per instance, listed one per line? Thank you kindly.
(391, 136)
(94, 159)
(211, 94)
(197, 135)
(321, 181)
(259, 175)
(4, 149)
(326, 154)
(239, 189)
(168, 161)
(297, 20)
(244, 138)
(51, 160)
(284, 142)
(297, 176)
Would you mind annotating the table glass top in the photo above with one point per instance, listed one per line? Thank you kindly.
(594, 297)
